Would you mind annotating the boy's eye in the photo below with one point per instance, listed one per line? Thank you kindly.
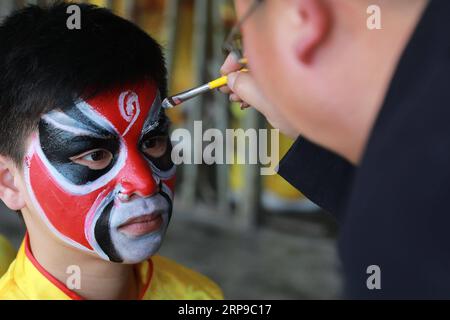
(155, 147)
(97, 159)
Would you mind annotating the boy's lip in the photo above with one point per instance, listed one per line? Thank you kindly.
(142, 225)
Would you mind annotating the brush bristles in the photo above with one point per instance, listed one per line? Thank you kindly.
(166, 104)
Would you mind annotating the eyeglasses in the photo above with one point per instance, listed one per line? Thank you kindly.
(233, 42)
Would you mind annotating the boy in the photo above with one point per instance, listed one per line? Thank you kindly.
(85, 157)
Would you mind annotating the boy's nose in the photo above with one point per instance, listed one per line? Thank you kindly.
(137, 178)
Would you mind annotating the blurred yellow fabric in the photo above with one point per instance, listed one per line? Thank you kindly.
(7, 254)
(175, 282)
(100, 3)
(274, 183)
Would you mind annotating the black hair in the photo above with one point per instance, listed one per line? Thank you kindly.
(44, 65)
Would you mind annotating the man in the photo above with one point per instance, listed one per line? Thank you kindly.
(85, 157)
(371, 109)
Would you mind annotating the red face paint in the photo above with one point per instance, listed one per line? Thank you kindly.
(83, 206)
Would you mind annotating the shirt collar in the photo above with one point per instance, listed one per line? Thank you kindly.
(38, 284)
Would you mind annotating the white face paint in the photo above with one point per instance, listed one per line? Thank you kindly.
(132, 248)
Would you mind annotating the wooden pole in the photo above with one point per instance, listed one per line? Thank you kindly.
(194, 106)
(248, 209)
(221, 107)
(123, 8)
(172, 13)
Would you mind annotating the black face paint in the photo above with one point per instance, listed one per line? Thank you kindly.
(168, 199)
(59, 145)
(163, 162)
(103, 234)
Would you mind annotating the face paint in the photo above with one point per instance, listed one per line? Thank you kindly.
(100, 173)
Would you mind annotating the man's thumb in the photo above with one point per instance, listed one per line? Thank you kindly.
(232, 80)
(243, 85)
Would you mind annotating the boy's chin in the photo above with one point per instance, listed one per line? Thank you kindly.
(139, 258)
(137, 250)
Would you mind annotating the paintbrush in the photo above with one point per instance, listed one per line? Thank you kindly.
(179, 98)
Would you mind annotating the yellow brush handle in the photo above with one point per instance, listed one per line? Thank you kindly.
(222, 81)
(218, 83)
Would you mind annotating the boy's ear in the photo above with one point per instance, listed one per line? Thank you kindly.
(9, 193)
(315, 21)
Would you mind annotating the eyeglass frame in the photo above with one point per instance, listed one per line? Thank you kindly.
(229, 45)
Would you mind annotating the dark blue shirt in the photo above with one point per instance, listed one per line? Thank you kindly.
(394, 208)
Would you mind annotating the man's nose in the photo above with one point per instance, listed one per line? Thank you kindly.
(137, 177)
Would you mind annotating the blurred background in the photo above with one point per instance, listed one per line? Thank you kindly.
(256, 236)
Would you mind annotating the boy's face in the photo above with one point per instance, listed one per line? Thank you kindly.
(100, 173)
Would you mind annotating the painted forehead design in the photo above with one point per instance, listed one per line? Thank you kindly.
(75, 122)
(128, 111)
(154, 116)
(84, 119)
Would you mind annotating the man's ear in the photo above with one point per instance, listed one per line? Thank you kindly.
(9, 193)
(315, 21)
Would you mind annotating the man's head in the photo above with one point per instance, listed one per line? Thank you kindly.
(85, 149)
(322, 67)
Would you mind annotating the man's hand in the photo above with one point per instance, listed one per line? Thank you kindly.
(243, 88)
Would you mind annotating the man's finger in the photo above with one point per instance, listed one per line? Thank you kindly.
(225, 89)
(235, 98)
(244, 105)
(243, 85)
(230, 65)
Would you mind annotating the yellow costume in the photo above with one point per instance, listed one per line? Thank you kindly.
(7, 254)
(160, 277)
